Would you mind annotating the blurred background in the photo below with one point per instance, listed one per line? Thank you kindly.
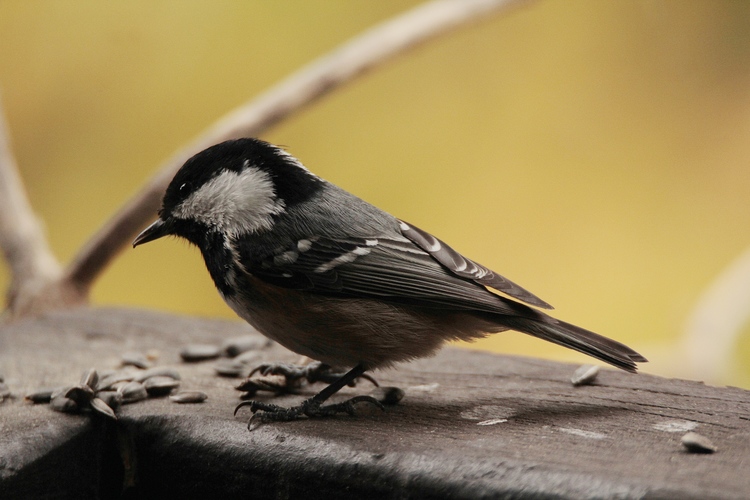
(595, 152)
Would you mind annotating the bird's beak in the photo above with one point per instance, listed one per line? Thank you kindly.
(153, 232)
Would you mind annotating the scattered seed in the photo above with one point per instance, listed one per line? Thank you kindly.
(132, 392)
(387, 395)
(110, 381)
(585, 375)
(81, 394)
(160, 385)
(63, 404)
(40, 397)
(158, 371)
(90, 378)
(60, 391)
(696, 443)
(136, 359)
(113, 399)
(199, 352)
(231, 368)
(101, 407)
(187, 397)
(237, 345)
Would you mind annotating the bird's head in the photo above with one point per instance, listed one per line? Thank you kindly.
(233, 188)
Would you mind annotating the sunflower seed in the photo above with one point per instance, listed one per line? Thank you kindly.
(237, 345)
(132, 392)
(231, 368)
(199, 352)
(63, 404)
(113, 399)
(60, 391)
(158, 371)
(136, 359)
(99, 406)
(110, 381)
(187, 397)
(695, 443)
(40, 396)
(81, 394)
(585, 375)
(90, 378)
(160, 385)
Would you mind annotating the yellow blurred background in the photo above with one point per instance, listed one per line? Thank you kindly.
(595, 152)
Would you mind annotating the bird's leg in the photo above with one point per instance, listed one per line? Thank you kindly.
(312, 407)
(313, 372)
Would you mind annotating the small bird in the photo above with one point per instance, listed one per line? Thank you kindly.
(332, 277)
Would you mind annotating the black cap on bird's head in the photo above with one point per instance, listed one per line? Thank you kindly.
(233, 187)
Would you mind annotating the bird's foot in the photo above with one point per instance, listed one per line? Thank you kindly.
(312, 408)
(312, 373)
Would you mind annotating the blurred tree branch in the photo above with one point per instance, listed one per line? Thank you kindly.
(362, 53)
(717, 321)
(33, 267)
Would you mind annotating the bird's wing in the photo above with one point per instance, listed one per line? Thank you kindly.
(466, 268)
(390, 268)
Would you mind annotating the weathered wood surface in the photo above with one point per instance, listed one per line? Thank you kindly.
(472, 425)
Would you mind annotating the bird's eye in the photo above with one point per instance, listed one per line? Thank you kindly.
(184, 188)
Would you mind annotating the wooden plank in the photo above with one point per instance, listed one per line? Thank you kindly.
(472, 425)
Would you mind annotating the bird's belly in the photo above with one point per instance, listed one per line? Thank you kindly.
(348, 331)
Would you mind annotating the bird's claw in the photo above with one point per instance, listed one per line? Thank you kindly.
(293, 377)
(311, 408)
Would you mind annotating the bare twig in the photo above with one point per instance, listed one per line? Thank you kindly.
(22, 240)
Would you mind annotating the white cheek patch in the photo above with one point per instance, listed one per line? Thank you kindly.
(234, 203)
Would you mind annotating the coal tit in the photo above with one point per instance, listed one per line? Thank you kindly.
(334, 278)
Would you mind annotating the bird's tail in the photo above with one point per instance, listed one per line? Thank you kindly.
(582, 340)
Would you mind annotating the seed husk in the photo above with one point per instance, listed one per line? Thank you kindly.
(110, 381)
(99, 406)
(136, 359)
(90, 378)
(585, 375)
(40, 396)
(199, 352)
(160, 385)
(187, 397)
(62, 404)
(113, 399)
(158, 371)
(132, 392)
(81, 394)
(60, 391)
(696, 443)
(237, 345)
(231, 368)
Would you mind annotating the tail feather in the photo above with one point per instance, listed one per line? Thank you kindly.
(582, 340)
